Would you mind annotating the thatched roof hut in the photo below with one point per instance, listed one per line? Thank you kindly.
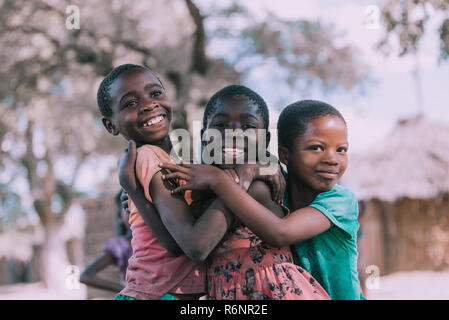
(412, 162)
(403, 183)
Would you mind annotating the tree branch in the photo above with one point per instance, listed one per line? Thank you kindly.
(199, 59)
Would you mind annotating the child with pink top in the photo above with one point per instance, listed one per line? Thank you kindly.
(133, 103)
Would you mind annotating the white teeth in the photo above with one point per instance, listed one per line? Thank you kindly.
(233, 151)
(153, 121)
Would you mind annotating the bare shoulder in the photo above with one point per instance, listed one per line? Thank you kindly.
(261, 192)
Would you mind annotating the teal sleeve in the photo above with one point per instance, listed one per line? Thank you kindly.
(340, 206)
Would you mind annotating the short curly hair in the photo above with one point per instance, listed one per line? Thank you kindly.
(294, 119)
(236, 91)
(104, 98)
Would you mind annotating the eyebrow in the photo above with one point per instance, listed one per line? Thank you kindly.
(249, 115)
(315, 140)
(151, 85)
(146, 87)
(244, 115)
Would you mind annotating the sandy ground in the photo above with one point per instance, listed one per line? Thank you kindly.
(36, 291)
(416, 285)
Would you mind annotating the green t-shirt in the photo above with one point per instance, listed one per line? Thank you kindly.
(331, 257)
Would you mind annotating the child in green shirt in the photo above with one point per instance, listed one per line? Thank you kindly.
(313, 144)
(322, 226)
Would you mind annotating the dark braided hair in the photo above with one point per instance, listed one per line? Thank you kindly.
(294, 119)
(104, 98)
(236, 91)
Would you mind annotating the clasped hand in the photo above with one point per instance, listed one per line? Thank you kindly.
(203, 177)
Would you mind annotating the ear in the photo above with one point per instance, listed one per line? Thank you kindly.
(109, 125)
(283, 155)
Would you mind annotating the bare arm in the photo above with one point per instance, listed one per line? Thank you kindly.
(90, 277)
(197, 238)
(300, 225)
(146, 209)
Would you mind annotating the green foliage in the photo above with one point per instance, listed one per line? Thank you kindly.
(407, 20)
(10, 208)
(308, 52)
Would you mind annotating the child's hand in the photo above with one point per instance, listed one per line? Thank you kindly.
(197, 176)
(124, 201)
(233, 175)
(249, 172)
(126, 167)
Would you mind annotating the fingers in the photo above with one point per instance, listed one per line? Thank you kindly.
(130, 153)
(275, 192)
(277, 184)
(281, 187)
(181, 188)
(123, 196)
(124, 200)
(174, 167)
(176, 175)
(283, 184)
(233, 175)
(126, 166)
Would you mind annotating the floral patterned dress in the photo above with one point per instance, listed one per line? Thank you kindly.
(243, 267)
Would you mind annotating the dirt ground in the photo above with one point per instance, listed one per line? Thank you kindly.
(416, 285)
(36, 291)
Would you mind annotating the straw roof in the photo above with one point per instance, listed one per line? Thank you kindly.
(413, 162)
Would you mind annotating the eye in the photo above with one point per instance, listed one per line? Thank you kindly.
(342, 149)
(130, 103)
(247, 126)
(316, 147)
(157, 93)
(219, 125)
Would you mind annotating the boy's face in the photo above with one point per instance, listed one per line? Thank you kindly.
(141, 109)
(236, 113)
(318, 158)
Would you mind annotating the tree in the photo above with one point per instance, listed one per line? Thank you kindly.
(406, 21)
(310, 53)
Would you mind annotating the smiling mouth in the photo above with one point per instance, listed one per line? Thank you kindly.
(327, 174)
(233, 152)
(153, 121)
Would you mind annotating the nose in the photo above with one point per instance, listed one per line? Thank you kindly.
(233, 125)
(148, 106)
(330, 157)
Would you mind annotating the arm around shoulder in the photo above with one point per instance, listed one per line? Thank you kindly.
(196, 237)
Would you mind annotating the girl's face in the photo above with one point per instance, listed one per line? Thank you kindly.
(318, 158)
(237, 113)
(141, 109)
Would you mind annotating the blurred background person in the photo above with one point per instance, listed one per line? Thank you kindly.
(116, 251)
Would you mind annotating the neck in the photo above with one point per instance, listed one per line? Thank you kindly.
(299, 195)
(165, 144)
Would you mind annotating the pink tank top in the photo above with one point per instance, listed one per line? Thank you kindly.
(152, 270)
